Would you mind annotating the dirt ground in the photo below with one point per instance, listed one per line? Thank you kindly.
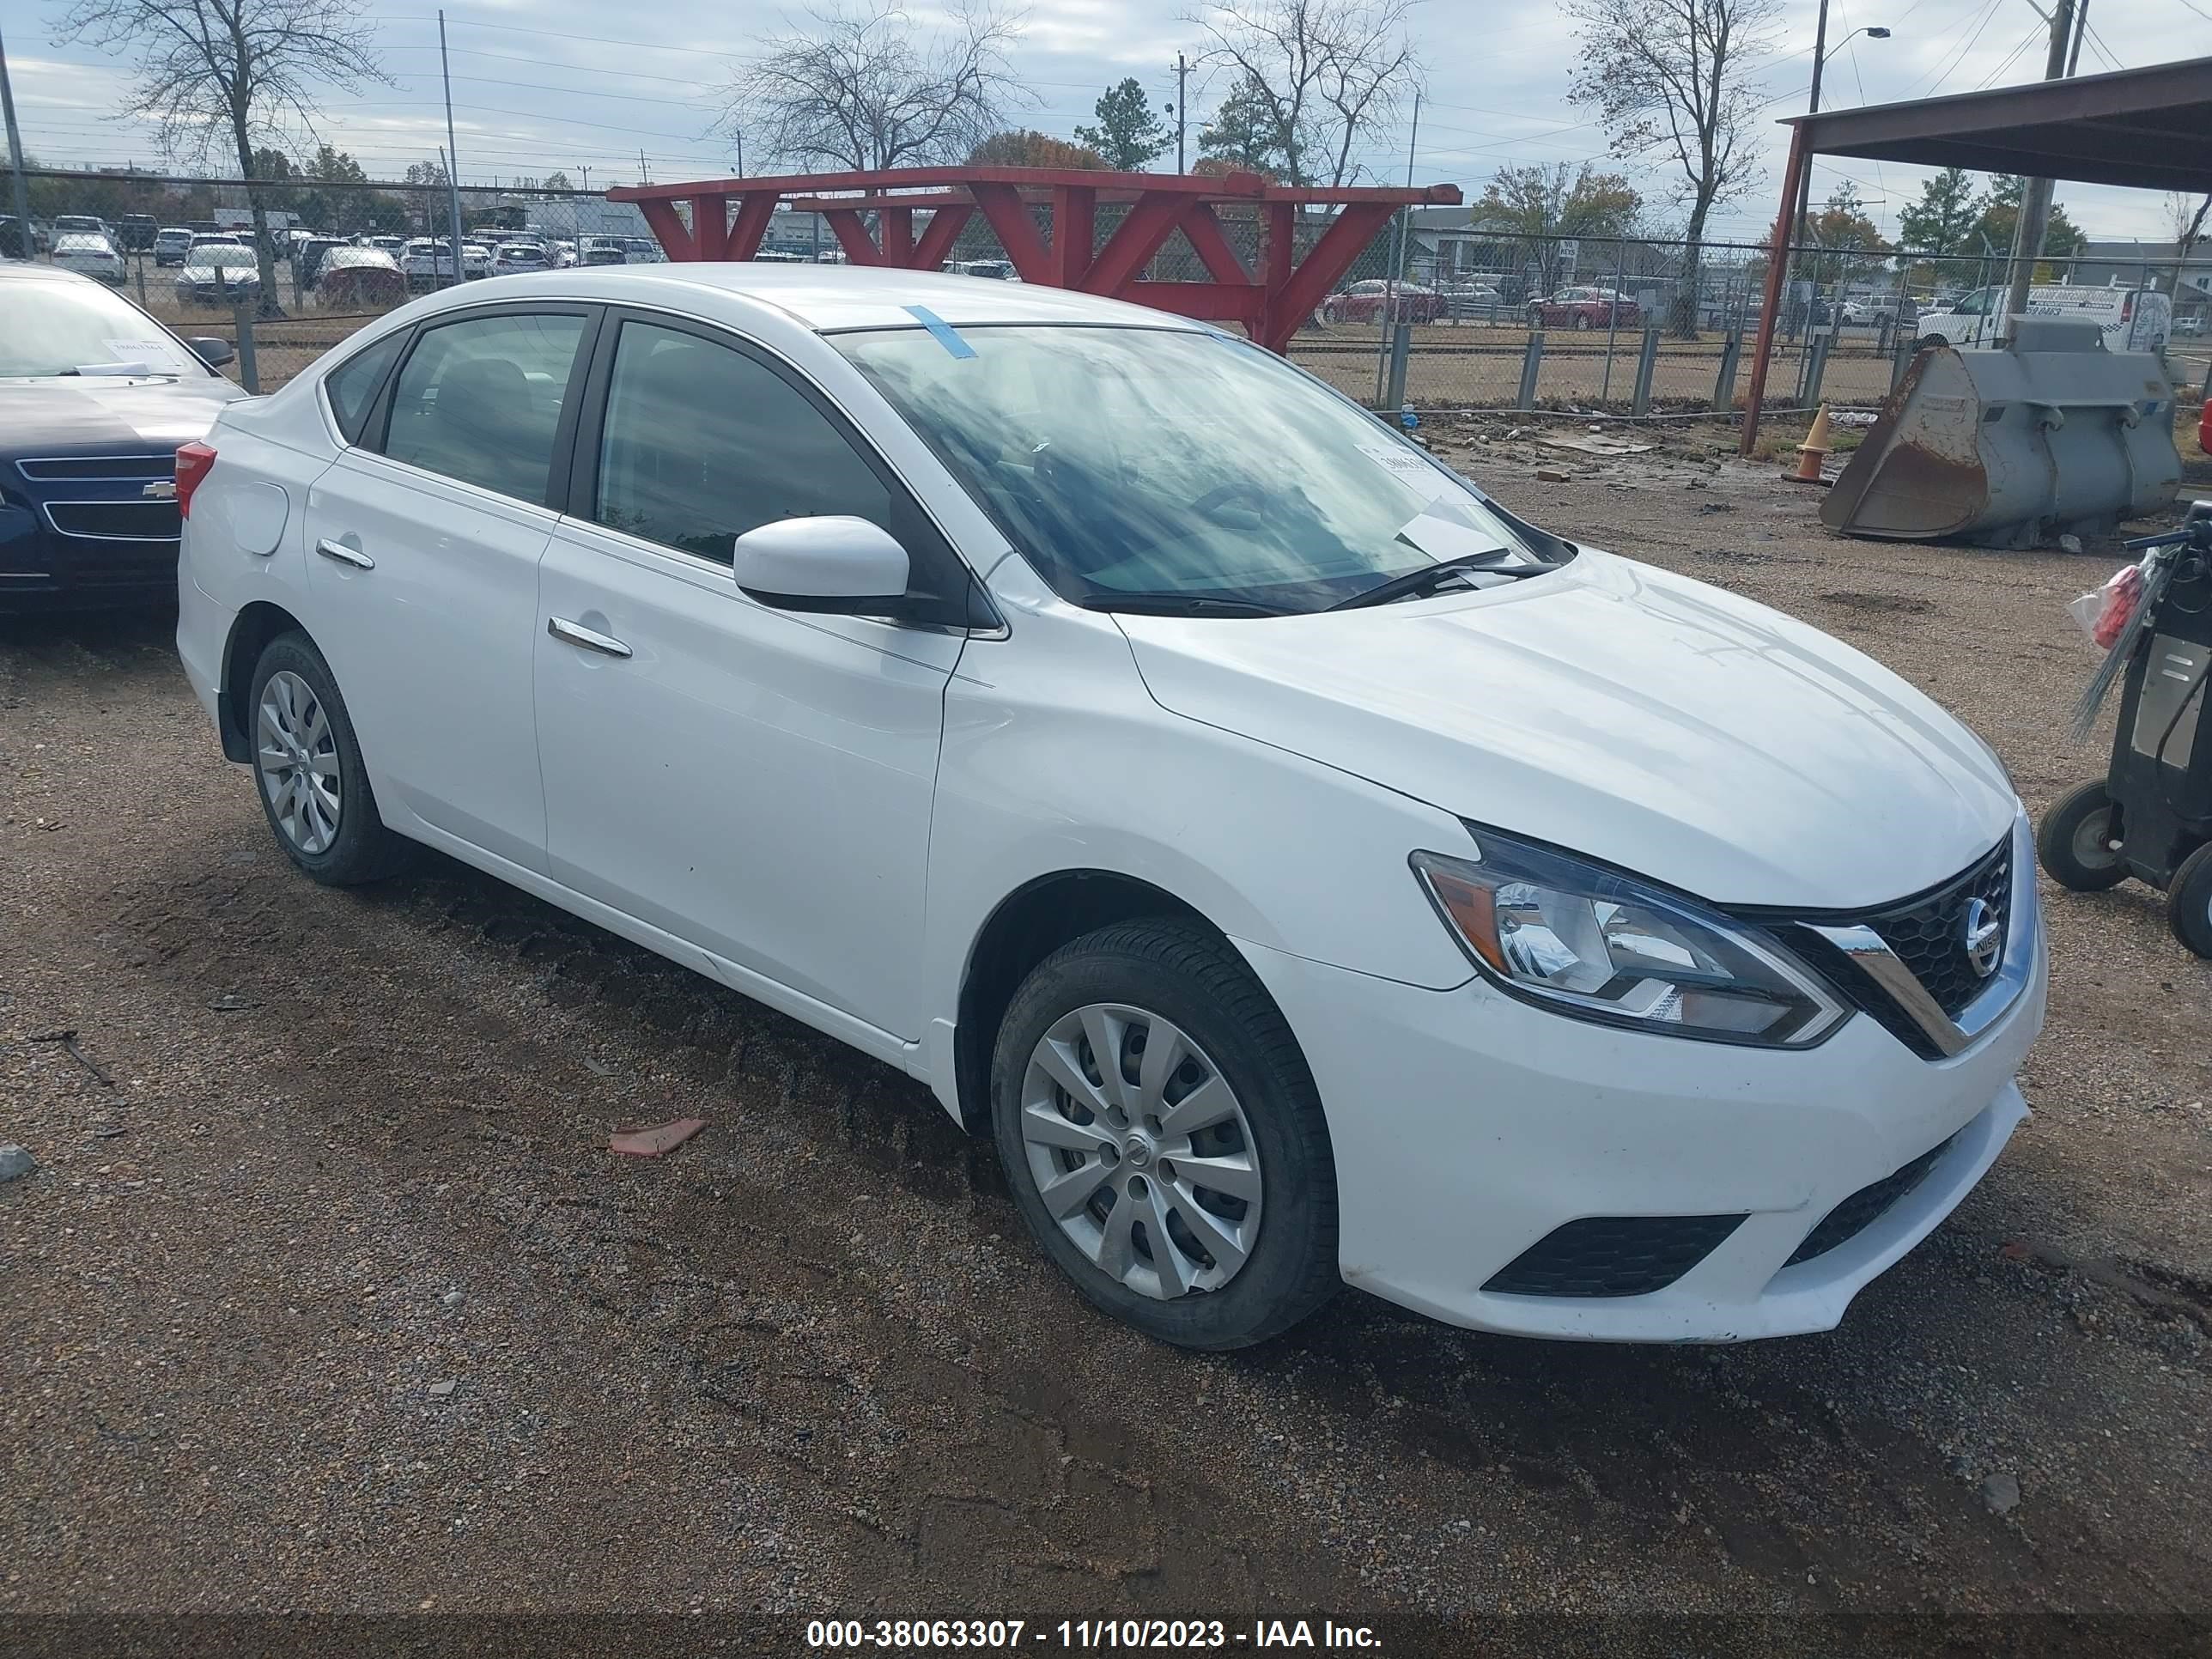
(327, 1296)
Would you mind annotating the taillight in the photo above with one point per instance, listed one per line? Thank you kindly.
(2127, 307)
(195, 461)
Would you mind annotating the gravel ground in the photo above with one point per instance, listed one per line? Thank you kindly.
(326, 1295)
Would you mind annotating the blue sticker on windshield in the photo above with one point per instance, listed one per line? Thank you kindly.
(944, 334)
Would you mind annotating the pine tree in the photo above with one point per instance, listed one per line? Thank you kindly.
(1129, 134)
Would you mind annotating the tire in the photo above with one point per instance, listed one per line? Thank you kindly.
(2071, 842)
(292, 676)
(1125, 981)
(2189, 903)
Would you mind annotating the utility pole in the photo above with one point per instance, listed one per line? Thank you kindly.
(739, 133)
(2035, 198)
(1183, 78)
(644, 177)
(1394, 309)
(15, 155)
(1805, 176)
(451, 155)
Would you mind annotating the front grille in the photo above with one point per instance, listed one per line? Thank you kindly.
(117, 521)
(1930, 934)
(1866, 1206)
(122, 468)
(1613, 1255)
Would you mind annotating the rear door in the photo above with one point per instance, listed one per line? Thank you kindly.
(424, 540)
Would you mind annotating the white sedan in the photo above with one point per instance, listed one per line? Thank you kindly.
(1307, 870)
(91, 256)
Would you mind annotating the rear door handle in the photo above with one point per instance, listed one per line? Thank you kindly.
(576, 633)
(344, 554)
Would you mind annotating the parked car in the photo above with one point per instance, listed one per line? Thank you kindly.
(1304, 869)
(642, 251)
(476, 260)
(307, 259)
(136, 231)
(426, 262)
(604, 250)
(1366, 301)
(1586, 308)
(393, 245)
(81, 224)
(216, 238)
(564, 255)
(90, 256)
(95, 395)
(2131, 318)
(359, 278)
(171, 244)
(1464, 300)
(218, 275)
(513, 258)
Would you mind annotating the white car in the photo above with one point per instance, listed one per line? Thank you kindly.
(89, 255)
(2130, 318)
(515, 259)
(1308, 871)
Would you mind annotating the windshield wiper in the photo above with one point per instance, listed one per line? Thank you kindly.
(1431, 576)
(1178, 604)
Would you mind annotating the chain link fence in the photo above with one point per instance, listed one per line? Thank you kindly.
(1490, 322)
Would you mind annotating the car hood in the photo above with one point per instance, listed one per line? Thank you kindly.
(96, 413)
(1620, 711)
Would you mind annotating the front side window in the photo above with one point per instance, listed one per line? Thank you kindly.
(1152, 465)
(479, 400)
(703, 442)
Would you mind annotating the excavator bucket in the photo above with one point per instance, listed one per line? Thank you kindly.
(2009, 445)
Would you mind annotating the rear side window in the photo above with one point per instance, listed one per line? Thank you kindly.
(479, 400)
(352, 386)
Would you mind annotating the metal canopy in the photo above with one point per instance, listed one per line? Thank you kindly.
(2148, 128)
(872, 216)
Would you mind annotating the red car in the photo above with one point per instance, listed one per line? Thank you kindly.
(1364, 303)
(1586, 308)
(361, 278)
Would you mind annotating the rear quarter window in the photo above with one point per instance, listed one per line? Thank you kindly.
(352, 386)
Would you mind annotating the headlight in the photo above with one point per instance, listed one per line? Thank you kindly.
(1592, 943)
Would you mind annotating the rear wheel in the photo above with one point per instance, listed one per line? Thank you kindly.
(2188, 903)
(314, 790)
(1164, 1139)
(2076, 841)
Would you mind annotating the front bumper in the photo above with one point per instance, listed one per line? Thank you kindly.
(1468, 1126)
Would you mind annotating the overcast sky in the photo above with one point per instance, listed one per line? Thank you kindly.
(570, 84)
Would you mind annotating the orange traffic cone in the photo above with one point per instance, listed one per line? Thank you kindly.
(1815, 450)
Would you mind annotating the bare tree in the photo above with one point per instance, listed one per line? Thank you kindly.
(1332, 71)
(2187, 214)
(229, 74)
(1672, 79)
(862, 87)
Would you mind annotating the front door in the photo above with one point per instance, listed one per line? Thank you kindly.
(423, 546)
(755, 782)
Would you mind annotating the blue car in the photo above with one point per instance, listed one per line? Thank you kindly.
(94, 398)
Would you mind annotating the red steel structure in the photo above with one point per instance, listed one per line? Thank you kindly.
(1270, 303)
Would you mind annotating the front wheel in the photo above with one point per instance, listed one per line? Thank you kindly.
(2075, 843)
(1164, 1139)
(2188, 903)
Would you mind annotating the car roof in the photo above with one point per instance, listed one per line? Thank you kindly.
(16, 271)
(826, 298)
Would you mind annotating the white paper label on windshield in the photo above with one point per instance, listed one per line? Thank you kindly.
(1408, 469)
(1444, 533)
(140, 351)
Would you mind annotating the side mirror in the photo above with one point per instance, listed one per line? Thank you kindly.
(836, 564)
(213, 352)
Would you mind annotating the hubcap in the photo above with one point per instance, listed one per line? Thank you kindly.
(296, 755)
(1141, 1152)
(2094, 846)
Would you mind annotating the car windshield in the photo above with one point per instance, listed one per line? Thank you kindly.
(230, 254)
(1152, 466)
(60, 327)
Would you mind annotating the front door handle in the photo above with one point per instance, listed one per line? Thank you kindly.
(576, 633)
(344, 554)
